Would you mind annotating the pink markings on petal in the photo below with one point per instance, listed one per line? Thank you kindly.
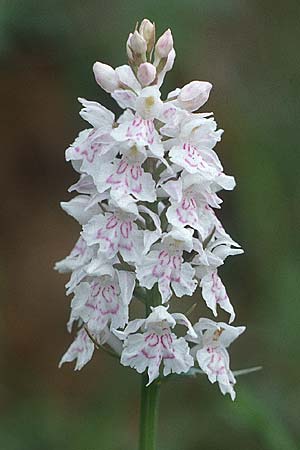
(193, 158)
(112, 222)
(112, 311)
(81, 341)
(141, 130)
(117, 233)
(147, 355)
(112, 180)
(78, 349)
(103, 299)
(126, 246)
(187, 211)
(170, 113)
(166, 340)
(122, 167)
(163, 261)
(109, 293)
(167, 345)
(109, 304)
(216, 363)
(90, 148)
(102, 237)
(80, 248)
(162, 343)
(89, 152)
(176, 262)
(217, 288)
(164, 258)
(152, 340)
(128, 177)
(137, 122)
(188, 203)
(96, 289)
(136, 171)
(187, 218)
(126, 228)
(169, 356)
(168, 267)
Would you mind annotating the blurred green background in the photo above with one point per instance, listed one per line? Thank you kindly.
(249, 50)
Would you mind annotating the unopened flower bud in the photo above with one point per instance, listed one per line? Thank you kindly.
(164, 45)
(194, 94)
(137, 43)
(147, 30)
(146, 73)
(106, 77)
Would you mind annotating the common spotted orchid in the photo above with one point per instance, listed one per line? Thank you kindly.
(148, 189)
(211, 352)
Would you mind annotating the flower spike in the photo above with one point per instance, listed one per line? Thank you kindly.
(146, 201)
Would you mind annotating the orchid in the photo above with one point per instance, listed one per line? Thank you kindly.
(165, 266)
(81, 350)
(157, 344)
(148, 188)
(211, 352)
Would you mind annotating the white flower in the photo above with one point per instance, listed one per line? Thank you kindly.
(140, 128)
(165, 266)
(206, 264)
(95, 142)
(115, 231)
(126, 175)
(157, 344)
(148, 103)
(189, 197)
(81, 350)
(211, 352)
(103, 301)
(214, 293)
(192, 149)
(79, 256)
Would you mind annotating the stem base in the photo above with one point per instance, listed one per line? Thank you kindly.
(149, 414)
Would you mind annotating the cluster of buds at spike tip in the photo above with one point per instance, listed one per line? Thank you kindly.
(146, 199)
(140, 43)
(147, 58)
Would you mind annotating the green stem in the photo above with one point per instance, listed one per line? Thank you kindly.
(149, 394)
(149, 413)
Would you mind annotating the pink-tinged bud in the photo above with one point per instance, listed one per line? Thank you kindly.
(137, 43)
(147, 30)
(146, 73)
(194, 94)
(106, 77)
(164, 45)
